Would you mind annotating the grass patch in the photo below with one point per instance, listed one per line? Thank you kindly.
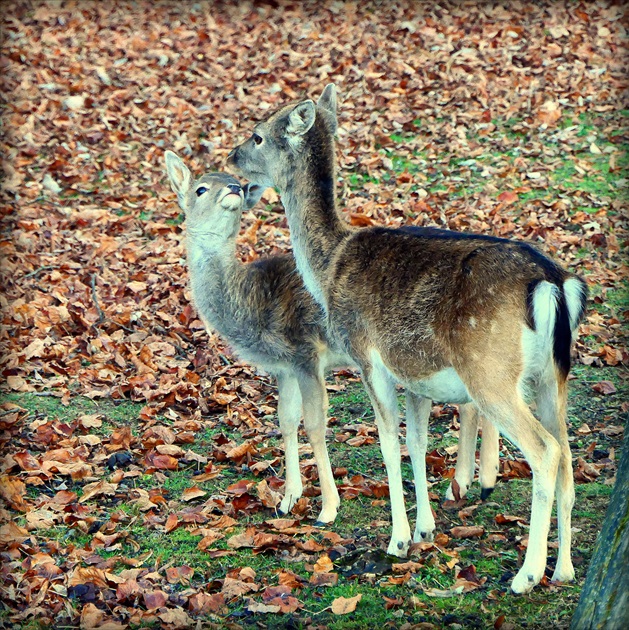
(121, 412)
(575, 172)
(363, 523)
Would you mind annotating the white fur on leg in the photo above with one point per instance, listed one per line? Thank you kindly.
(515, 421)
(552, 416)
(564, 570)
(315, 408)
(289, 413)
(544, 466)
(381, 389)
(417, 415)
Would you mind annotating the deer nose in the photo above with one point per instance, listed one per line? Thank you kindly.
(235, 188)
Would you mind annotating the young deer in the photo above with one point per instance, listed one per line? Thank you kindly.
(452, 317)
(265, 312)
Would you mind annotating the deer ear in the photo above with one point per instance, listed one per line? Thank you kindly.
(327, 101)
(179, 176)
(328, 98)
(301, 118)
(252, 193)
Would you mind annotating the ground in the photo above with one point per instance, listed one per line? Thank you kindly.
(141, 461)
(122, 530)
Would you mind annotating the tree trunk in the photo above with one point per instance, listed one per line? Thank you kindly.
(604, 602)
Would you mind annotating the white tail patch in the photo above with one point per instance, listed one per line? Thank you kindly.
(537, 345)
(574, 290)
(545, 302)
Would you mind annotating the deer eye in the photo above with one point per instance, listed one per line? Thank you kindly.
(257, 139)
(200, 190)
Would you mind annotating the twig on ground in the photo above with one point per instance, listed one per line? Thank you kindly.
(129, 330)
(6, 412)
(39, 270)
(101, 315)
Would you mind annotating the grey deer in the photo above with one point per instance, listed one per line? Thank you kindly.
(452, 317)
(266, 314)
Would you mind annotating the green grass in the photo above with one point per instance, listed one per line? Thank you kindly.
(363, 521)
(117, 412)
(564, 178)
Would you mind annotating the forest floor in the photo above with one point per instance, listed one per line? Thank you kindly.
(141, 461)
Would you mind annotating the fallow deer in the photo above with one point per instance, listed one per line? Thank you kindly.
(451, 316)
(268, 317)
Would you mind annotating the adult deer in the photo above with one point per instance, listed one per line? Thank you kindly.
(452, 317)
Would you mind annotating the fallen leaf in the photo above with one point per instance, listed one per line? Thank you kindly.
(179, 575)
(90, 421)
(210, 538)
(449, 592)
(192, 493)
(154, 599)
(175, 617)
(507, 198)
(281, 596)
(171, 523)
(242, 540)
(202, 603)
(12, 533)
(472, 531)
(612, 430)
(507, 519)
(344, 605)
(259, 607)
(324, 579)
(323, 565)
(604, 387)
(516, 469)
(12, 490)
(91, 490)
(269, 497)
(51, 184)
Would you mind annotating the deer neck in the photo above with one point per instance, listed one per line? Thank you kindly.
(316, 228)
(206, 251)
(214, 270)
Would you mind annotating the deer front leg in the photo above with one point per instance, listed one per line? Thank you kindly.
(381, 390)
(289, 413)
(315, 402)
(417, 415)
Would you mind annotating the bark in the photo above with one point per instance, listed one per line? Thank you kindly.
(604, 602)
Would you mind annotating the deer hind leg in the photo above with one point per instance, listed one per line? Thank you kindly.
(489, 458)
(417, 415)
(289, 413)
(381, 390)
(464, 471)
(514, 419)
(315, 402)
(551, 408)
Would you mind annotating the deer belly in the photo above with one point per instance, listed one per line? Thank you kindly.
(444, 386)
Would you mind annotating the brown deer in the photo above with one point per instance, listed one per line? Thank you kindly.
(452, 317)
(266, 314)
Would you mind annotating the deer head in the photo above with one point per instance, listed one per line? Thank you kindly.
(213, 203)
(272, 153)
